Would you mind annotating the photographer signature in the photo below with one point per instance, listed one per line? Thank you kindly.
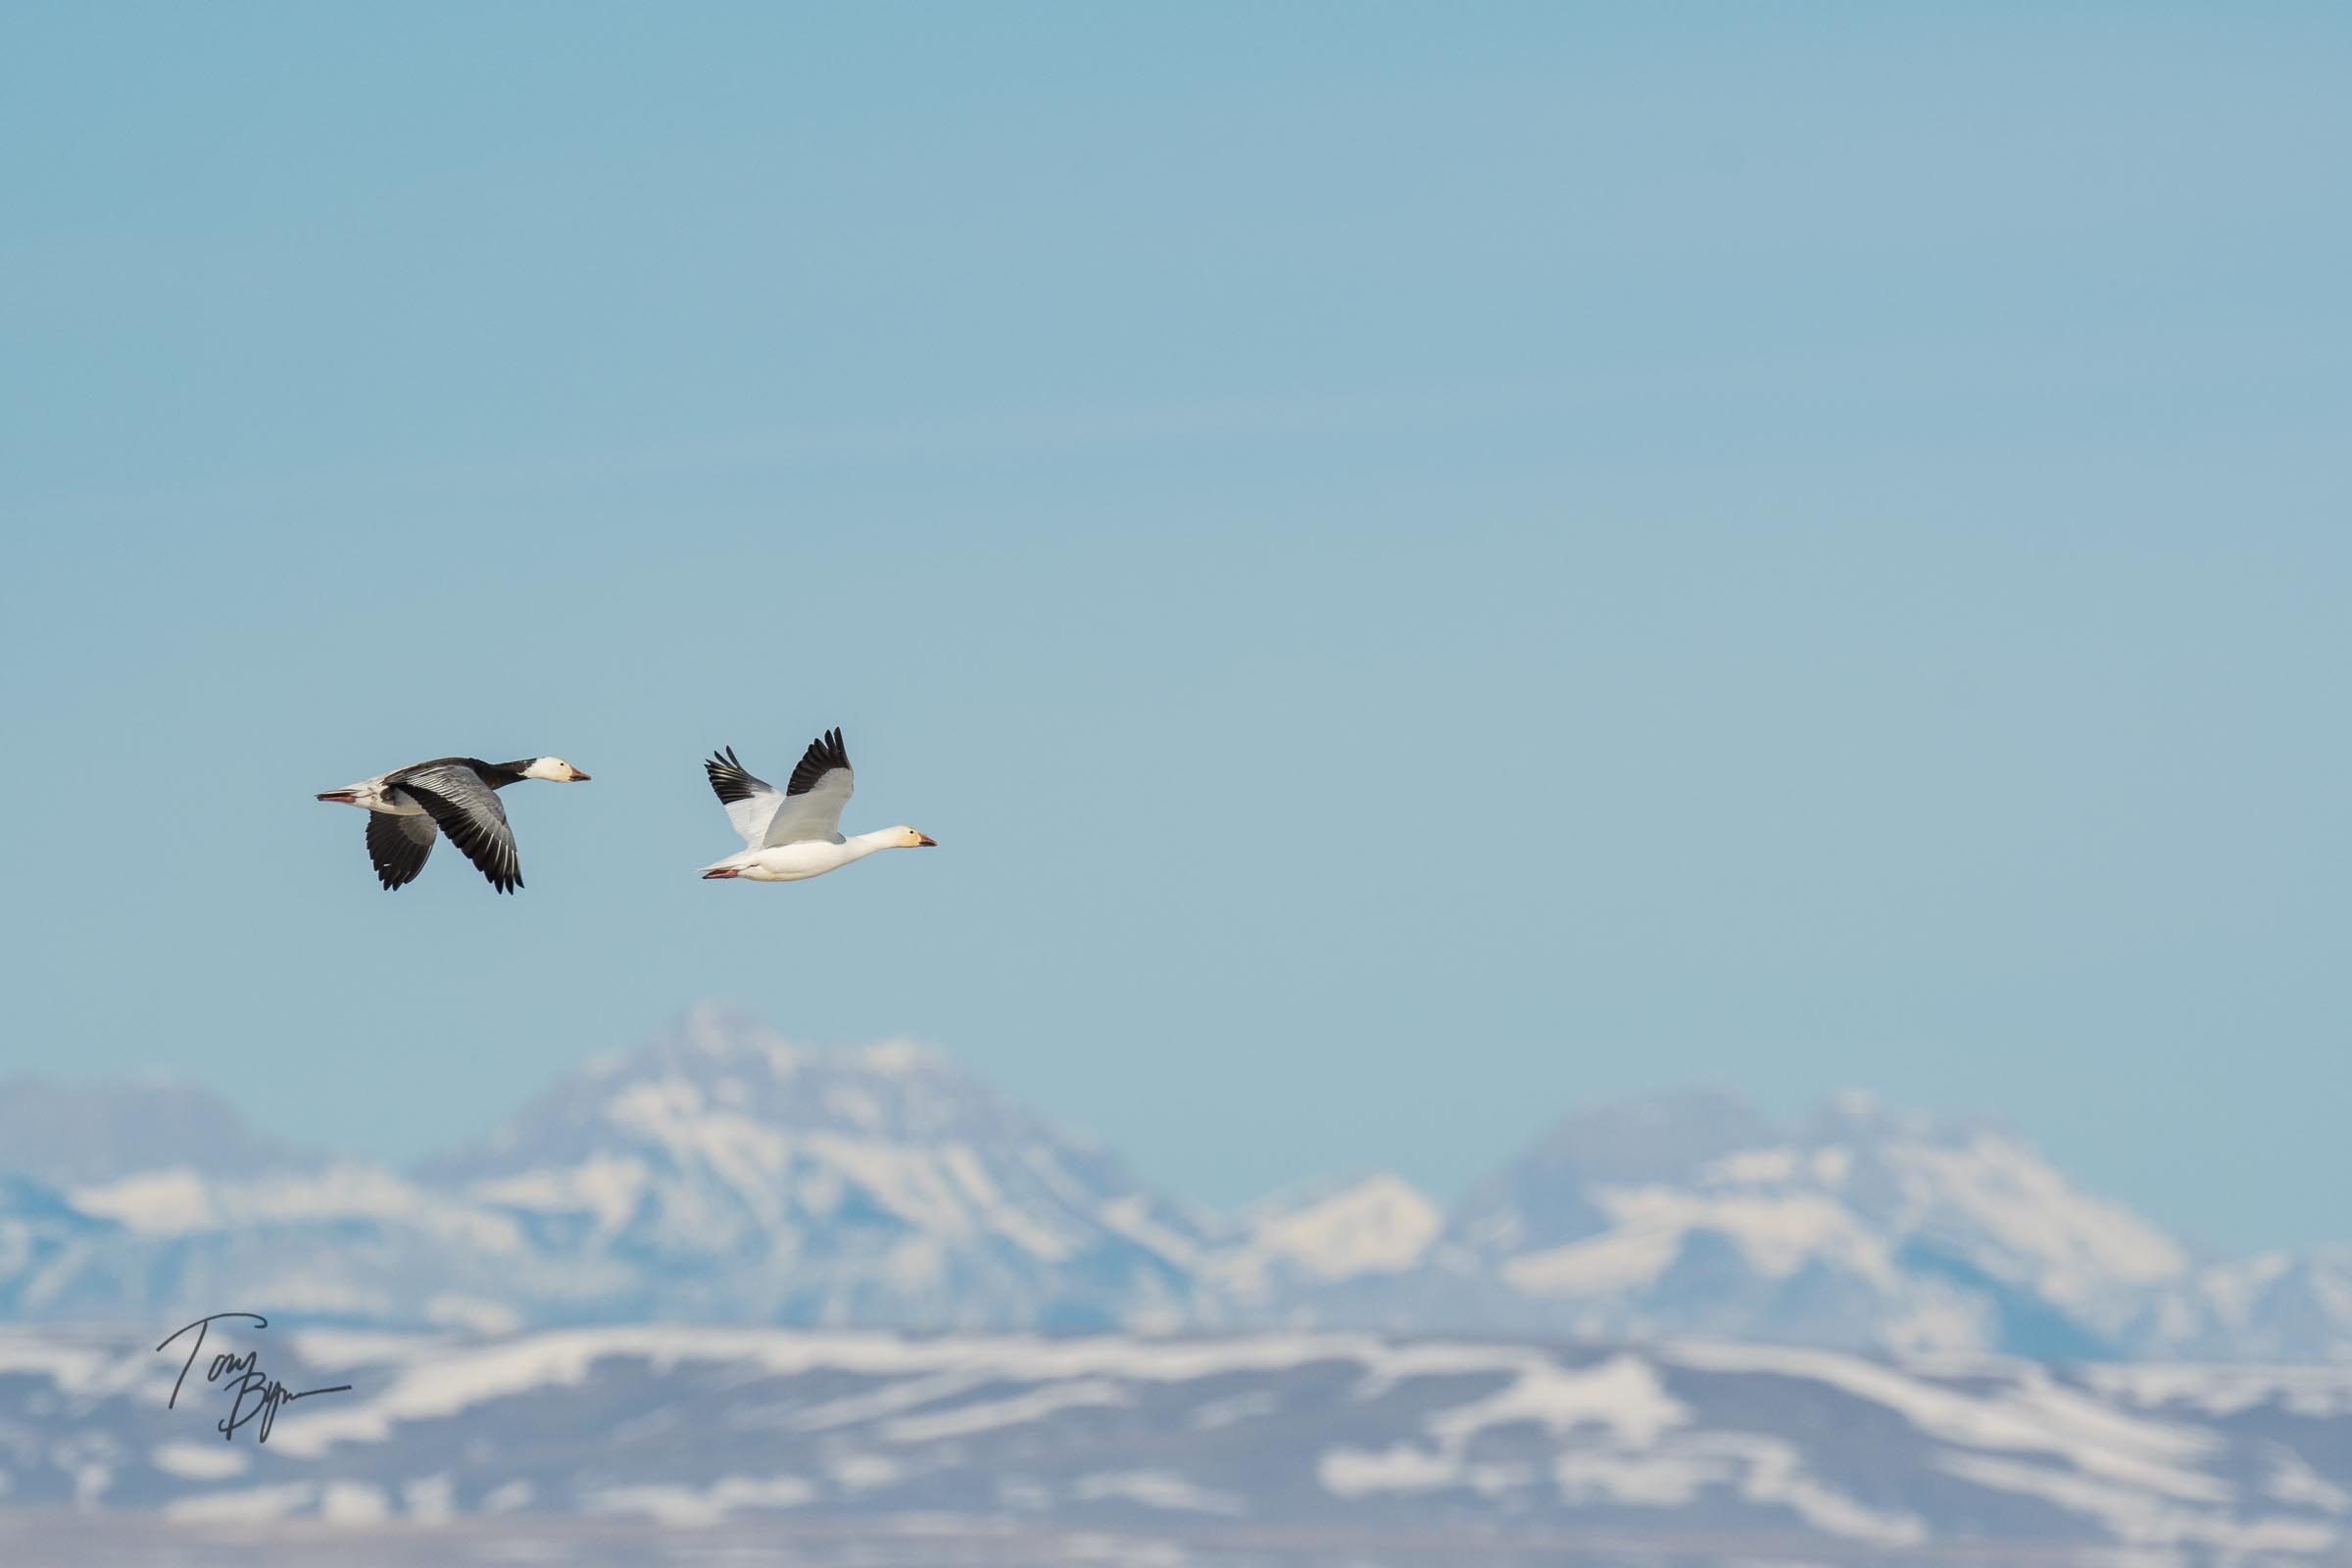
(246, 1381)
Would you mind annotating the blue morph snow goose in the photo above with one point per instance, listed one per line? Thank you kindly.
(795, 835)
(459, 796)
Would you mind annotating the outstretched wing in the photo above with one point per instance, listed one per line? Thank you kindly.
(820, 787)
(750, 802)
(465, 808)
(398, 846)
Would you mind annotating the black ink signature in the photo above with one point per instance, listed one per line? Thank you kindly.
(247, 1380)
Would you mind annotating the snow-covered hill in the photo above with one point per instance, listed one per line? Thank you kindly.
(722, 1175)
(1284, 1447)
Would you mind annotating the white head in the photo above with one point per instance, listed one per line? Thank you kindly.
(906, 838)
(555, 770)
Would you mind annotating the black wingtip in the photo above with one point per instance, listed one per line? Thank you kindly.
(826, 754)
(730, 780)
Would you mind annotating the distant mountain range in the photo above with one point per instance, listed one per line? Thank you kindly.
(720, 1175)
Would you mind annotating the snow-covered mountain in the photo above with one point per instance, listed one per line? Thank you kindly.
(718, 1174)
(722, 1175)
(738, 1178)
(1862, 1228)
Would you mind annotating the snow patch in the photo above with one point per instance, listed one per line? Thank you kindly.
(983, 1417)
(2133, 1515)
(245, 1506)
(691, 1508)
(1156, 1488)
(157, 1203)
(2032, 1413)
(472, 1314)
(1382, 1225)
(1620, 1260)
(201, 1461)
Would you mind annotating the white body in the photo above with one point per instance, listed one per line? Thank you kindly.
(796, 862)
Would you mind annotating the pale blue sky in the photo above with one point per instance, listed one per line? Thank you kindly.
(1427, 566)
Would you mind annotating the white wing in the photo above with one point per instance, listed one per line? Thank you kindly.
(750, 801)
(819, 788)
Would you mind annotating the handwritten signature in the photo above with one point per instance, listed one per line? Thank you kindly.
(246, 1381)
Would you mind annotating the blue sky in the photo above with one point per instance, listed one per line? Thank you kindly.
(1427, 566)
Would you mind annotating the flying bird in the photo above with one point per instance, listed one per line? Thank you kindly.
(795, 834)
(459, 796)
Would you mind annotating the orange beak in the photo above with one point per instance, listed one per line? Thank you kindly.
(577, 777)
(925, 841)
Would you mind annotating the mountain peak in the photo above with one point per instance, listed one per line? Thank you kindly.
(1859, 1116)
(721, 1033)
(717, 1060)
(1378, 1224)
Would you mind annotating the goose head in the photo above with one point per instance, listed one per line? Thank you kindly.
(906, 838)
(555, 770)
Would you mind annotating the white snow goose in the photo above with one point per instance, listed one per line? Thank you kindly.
(795, 834)
(459, 796)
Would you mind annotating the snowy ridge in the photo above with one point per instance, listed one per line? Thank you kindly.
(1791, 1451)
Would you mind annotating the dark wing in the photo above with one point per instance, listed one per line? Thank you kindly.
(820, 787)
(465, 808)
(750, 802)
(398, 845)
(823, 756)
